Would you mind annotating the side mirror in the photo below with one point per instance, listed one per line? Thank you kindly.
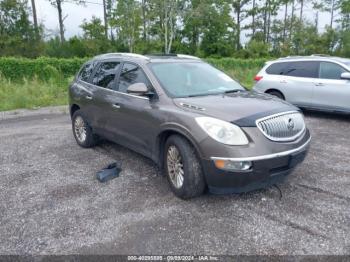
(345, 75)
(139, 89)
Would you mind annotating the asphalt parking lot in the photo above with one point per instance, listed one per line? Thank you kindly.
(50, 201)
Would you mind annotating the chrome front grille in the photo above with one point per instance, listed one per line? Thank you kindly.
(282, 127)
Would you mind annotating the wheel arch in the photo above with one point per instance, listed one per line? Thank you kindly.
(275, 90)
(73, 109)
(162, 137)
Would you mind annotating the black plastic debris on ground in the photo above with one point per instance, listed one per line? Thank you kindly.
(110, 172)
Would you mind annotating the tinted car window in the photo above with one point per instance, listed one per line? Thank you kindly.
(298, 69)
(131, 74)
(86, 72)
(105, 74)
(276, 69)
(331, 70)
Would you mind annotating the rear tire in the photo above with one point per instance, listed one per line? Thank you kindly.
(276, 93)
(82, 131)
(180, 158)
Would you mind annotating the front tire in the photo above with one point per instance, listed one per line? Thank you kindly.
(183, 169)
(82, 131)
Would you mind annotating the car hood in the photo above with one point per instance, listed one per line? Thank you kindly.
(241, 108)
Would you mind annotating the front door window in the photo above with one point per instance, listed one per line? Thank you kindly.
(131, 74)
(331, 71)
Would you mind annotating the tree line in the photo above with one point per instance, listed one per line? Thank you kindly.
(206, 28)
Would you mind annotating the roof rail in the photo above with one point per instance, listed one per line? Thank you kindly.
(325, 55)
(162, 54)
(123, 54)
(290, 56)
(188, 56)
(176, 55)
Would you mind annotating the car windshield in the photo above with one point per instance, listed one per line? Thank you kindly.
(187, 79)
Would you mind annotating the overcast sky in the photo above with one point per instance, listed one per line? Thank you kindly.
(47, 14)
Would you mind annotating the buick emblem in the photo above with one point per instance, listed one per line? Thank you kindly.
(290, 124)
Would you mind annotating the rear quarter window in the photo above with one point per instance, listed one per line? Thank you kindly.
(86, 72)
(297, 69)
(275, 69)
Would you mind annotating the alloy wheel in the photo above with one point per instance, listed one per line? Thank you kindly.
(175, 167)
(80, 129)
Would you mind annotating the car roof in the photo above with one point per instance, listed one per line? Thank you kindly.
(313, 58)
(147, 58)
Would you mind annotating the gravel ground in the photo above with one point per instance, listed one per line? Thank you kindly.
(50, 201)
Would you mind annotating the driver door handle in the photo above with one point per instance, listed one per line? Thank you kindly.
(88, 97)
(319, 84)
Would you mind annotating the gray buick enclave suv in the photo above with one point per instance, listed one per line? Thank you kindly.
(200, 126)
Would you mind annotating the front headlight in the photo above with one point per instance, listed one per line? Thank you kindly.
(222, 131)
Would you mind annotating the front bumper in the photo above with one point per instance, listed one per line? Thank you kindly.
(266, 170)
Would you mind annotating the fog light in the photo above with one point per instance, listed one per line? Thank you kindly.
(233, 165)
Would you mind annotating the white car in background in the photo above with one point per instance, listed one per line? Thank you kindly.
(313, 82)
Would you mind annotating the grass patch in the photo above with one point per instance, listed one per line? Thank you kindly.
(32, 93)
(244, 76)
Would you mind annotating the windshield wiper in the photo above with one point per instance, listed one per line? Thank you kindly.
(214, 94)
(232, 91)
(195, 95)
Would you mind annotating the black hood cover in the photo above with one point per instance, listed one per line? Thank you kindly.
(242, 108)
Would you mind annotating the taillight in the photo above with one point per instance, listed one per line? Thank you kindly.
(258, 78)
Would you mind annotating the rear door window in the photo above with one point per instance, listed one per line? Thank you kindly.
(131, 74)
(330, 70)
(297, 69)
(105, 74)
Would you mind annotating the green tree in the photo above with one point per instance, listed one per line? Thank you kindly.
(257, 49)
(126, 19)
(344, 43)
(218, 30)
(345, 15)
(193, 24)
(271, 9)
(58, 5)
(18, 36)
(238, 7)
(331, 6)
(93, 29)
(94, 38)
(35, 18)
(168, 16)
(200, 14)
